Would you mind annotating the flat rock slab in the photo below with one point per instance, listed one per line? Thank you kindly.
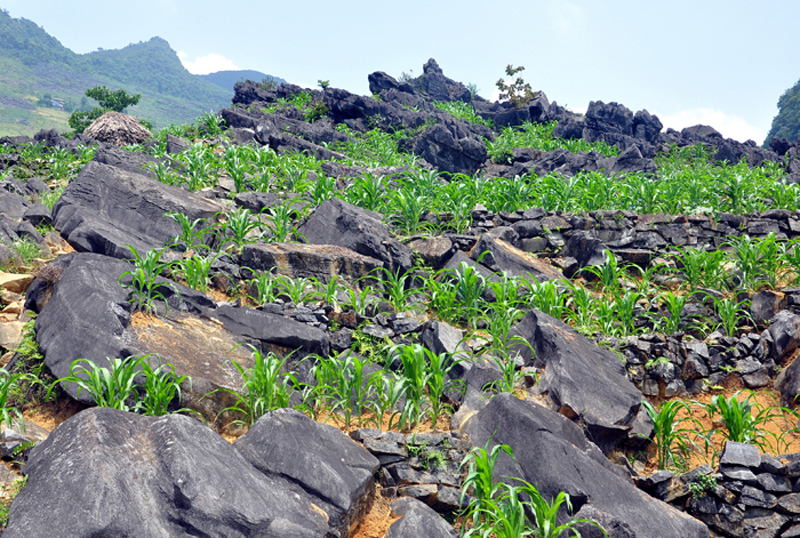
(583, 381)
(336, 222)
(500, 256)
(111, 473)
(326, 464)
(323, 262)
(107, 208)
(553, 454)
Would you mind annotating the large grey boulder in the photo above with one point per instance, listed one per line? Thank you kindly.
(107, 208)
(553, 454)
(111, 473)
(336, 222)
(327, 465)
(581, 380)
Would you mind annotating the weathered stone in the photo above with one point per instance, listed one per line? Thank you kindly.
(417, 519)
(552, 452)
(107, 208)
(751, 496)
(317, 459)
(582, 380)
(336, 222)
(741, 454)
(152, 476)
(323, 262)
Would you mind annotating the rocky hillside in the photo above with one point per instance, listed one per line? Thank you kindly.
(410, 314)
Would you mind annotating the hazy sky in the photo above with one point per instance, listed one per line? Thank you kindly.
(723, 63)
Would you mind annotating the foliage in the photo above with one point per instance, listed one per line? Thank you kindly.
(744, 421)
(540, 136)
(786, 124)
(109, 100)
(519, 92)
(264, 387)
(670, 438)
(112, 387)
(702, 484)
(144, 287)
(462, 110)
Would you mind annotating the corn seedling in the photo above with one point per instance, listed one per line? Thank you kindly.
(264, 387)
(143, 286)
(112, 387)
(670, 438)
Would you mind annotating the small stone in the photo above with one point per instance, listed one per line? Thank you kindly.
(773, 483)
(790, 503)
(15, 283)
(756, 498)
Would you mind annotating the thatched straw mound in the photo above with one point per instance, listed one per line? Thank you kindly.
(117, 128)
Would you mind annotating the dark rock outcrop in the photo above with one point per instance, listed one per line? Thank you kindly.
(130, 475)
(552, 453)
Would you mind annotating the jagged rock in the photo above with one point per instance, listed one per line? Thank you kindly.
(322, 262)
(117, 128)
(450, 147)
(131, 475)
(741, 454)
(317, 460)
(107, 208)
(584, 382)
(417, 519)
(552, 453)
(765, 304)
(336, 222)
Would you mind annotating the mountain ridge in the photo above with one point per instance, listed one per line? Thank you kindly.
(38, 68)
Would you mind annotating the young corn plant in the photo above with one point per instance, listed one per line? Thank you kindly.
(192, 232)
(143, 286)
(238, 227)
(745, 421)
(415, 380)
(9, 386)
(266, 285)
(298, 290)
(731, 314)
(345, 385)
(438, 383)
(162, 388)
(479, 480)
(196, 271)
(112, 387)
(671, 439)
(264, 387)
(396, 287)
(279, 223)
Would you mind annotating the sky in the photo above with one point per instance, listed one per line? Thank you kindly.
(722, 63)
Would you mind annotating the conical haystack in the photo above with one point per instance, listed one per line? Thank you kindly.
(117, 128)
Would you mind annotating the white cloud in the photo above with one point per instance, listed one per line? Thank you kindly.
(730, 125)
(210, 63)
(566, 15)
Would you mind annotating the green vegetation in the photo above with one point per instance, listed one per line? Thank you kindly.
(116, 101)
(144, 285)
(787, 123)
(502, 510)
(35, 65)
(519, 92)
(116, 386)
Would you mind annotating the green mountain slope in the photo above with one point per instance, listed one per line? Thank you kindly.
(787, 123)
(35, 67)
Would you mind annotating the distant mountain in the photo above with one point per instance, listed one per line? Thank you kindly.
(226, 79)
(787, 123)
(39, 73)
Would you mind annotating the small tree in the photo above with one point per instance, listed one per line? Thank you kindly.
(518, 92)
(109, 100)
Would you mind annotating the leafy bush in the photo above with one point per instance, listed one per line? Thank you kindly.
(519, 92)
(109, 100)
